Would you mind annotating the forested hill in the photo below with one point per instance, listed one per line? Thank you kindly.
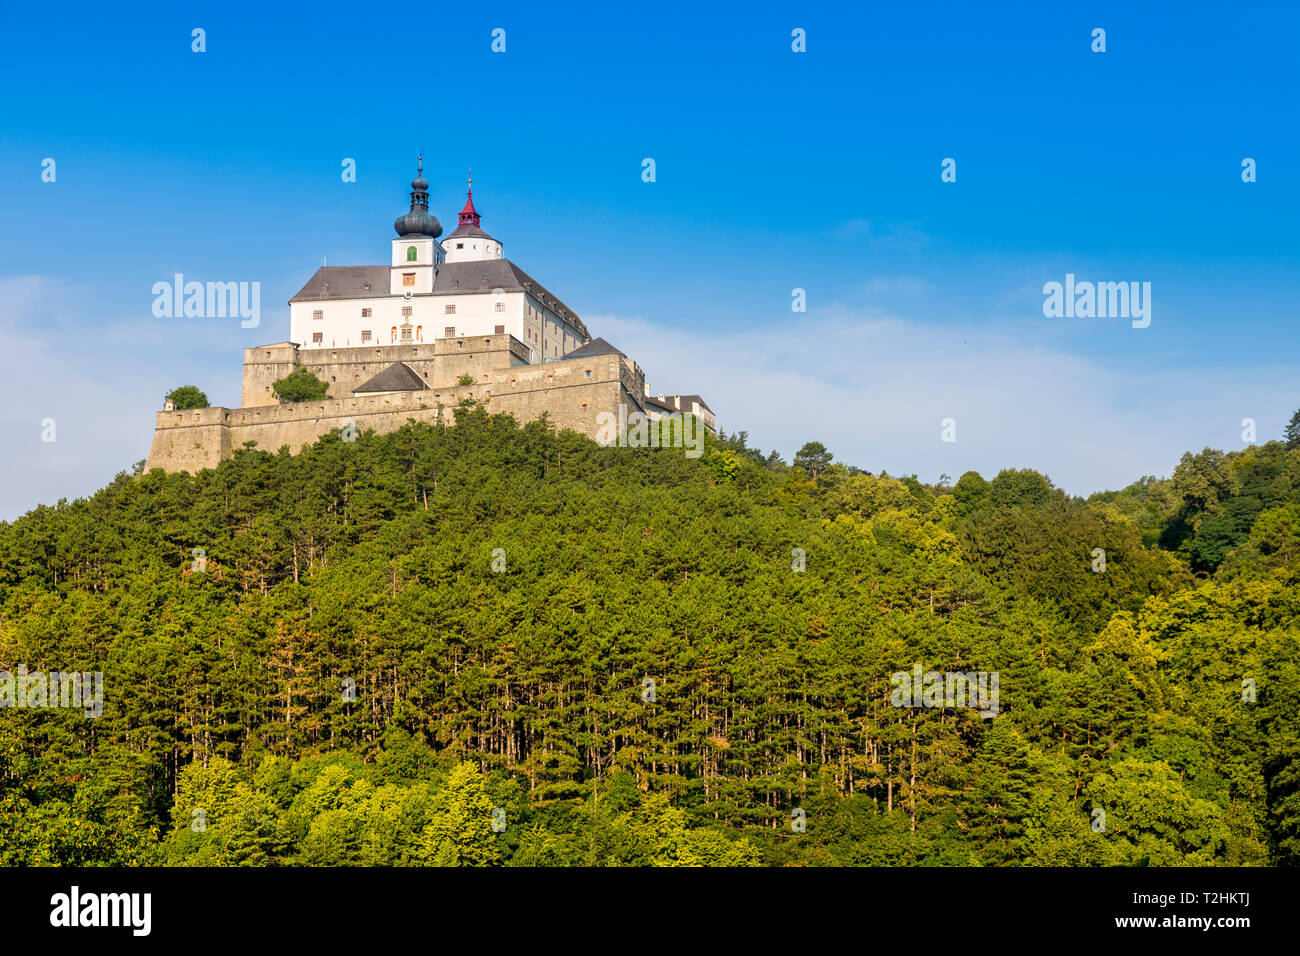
(567, 654)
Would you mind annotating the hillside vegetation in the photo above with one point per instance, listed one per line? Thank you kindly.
(484, 644)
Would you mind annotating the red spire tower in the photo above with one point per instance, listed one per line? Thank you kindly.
(469, 215)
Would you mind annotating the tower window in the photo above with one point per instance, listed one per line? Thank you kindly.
(394, 333)
(501, 306)
(366, 313)
(449, 309)
(419, 333)
(318, 314)
(412, 254)
(460, 245)
(499, 330)
(406, 311)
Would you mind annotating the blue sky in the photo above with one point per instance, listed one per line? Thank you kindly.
(775, 170)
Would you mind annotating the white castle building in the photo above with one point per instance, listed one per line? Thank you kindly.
(461, 286)
(444, 325)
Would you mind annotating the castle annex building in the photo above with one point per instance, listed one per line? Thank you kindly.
(445, 321)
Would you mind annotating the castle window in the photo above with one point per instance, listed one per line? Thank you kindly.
(449, 332)
(317, 338)
(419, 333)
(412, 254)
(460, 245)
(366, 313)
(394, 333)
(588, 373)
(449, 310)
(365, 335)
(406, 311)
(499, 330)
(318, 314)
(501, 306)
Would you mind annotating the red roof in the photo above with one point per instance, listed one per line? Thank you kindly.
(469, 215)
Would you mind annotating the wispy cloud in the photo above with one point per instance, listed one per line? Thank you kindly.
(99, 377)
(876, 389)
(900, 237)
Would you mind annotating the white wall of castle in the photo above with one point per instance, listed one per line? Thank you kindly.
(471, 249)
(378, 319)
(344, 323)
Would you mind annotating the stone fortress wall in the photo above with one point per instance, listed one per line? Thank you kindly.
(572, 392)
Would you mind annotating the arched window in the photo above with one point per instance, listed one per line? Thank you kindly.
(419, 333)
(412, 254)
(394, 333)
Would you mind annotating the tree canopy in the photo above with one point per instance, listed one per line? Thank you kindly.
(188, 396)
(300, 385)
(484, 644)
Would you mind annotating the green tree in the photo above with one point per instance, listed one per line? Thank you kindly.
(188, 396)
(300, 385)
(1291, 436)
(970, 492)
(1019, 488)
(459, 831)
(812, 459)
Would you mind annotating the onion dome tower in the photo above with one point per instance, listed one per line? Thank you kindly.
(418, 221)
(416, 253)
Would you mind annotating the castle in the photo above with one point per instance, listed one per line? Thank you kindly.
(442, 324)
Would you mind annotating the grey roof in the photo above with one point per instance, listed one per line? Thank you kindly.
(483, 275)
(592, 349)
(345, 282)
(398, 377)
(667, 402)
(469, 229)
